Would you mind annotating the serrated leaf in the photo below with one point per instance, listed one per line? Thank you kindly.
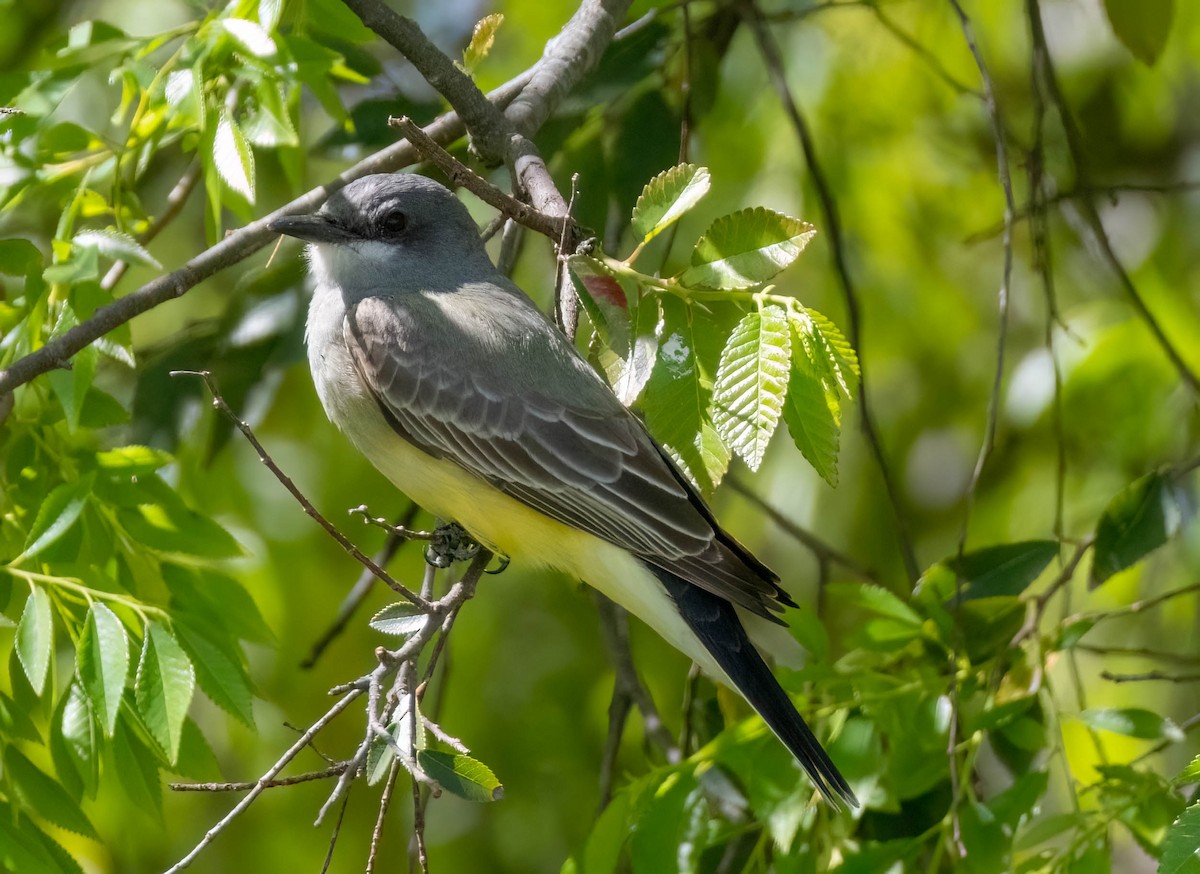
(73, 745)
(1139, 519)
(1190, 774)
(1142, 26)
(746, 248)
(825, 341)
(196, 758)
(233, 157)
(102, 660)
(401, 618)
(1181, 847)
(116, 245)
(667, 197)
(461, 775)
(136, 767)
(632, 372)
(676, 401)
(250, 36)
(163, 522)
(751, 383)
(133, 460)
(1003, 570)
(1132, 722)
(166, 681)
(35, 638)
(220, 672)
(891, 624)
(813, 411)
(42, 794)
(269, 12)
(482, 38)
(15, 721)
(58, 512)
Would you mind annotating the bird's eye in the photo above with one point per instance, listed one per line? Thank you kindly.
(393, 223)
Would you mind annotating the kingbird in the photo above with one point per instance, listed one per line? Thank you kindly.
(449, 379)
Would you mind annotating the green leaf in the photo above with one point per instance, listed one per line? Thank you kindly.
(116, 245)
(893, 623)
(42, 794)
(196, 758)
(751, 383)
(1142, 26)
(827, 348)
(1138, 520)
(233, 157)
(219, 671)
(102, 660)
(813, 410)
(137, 768)
(35, 638)
(401, 619)
(15, 721)
(1132, 722)
(482, 38)
(382, 754)
(461, 775)
(57, 514)
(1181, 848)
(677, 397)
(667, 197)
(19, 257)
(26, 849)
(71, 387)
(746, 248)
(132, 460)
(163, 690)
(250, 36)
(1190, 774)
(1003, 570)
(162, 521)
(73, 743)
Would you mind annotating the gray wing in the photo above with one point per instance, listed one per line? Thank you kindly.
(565, 447)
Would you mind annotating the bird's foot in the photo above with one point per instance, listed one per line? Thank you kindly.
(450, 543)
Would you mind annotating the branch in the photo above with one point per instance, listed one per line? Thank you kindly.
(331, 771)
(236, 247)
(1150, 676)
(175, 202)
(305, 503)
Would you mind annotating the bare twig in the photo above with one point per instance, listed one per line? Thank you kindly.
(773, 59)
(362, 587)
(324, 774)
(337, 830)
(1142, 652)
(305, 503)
(822, 551)
(264, 782)
(554, 227)
(385, 801)
(1150, 676)
(1136, 607)
(1087, 207)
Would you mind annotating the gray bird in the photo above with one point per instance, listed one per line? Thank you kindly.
(458, 389)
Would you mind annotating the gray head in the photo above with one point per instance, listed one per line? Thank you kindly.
(389, 230)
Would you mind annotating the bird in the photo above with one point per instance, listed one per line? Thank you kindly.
(451, 381)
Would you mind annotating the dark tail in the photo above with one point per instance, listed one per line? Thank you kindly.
(715, 622)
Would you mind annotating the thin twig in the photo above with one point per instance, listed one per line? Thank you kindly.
(324, 774)
(385, 801)
(337, 830)
(175, 203)
(286, 481)
(265, 780)
(1150, 676)
(773, 59)
(554, 227)
(823, 552)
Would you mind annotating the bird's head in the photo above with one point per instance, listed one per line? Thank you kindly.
(389, 230)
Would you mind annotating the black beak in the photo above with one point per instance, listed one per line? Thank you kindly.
(311, 228)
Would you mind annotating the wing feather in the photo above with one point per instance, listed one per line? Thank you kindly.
(565, 447)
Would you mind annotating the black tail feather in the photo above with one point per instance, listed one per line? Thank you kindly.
(715, 622)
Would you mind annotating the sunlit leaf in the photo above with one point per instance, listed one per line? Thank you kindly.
(667, 197)
(746, 248)
(1132, 722)
(35, 638)
(1137, 521)
(219, 671)
(102, 660)
(482, 38)
(813, 410)
(58, 512)
(165, 683)
(250, 36)
(1181, 848)
(233, 157)
(401, 618)
(461, 775)
(751, 383)
(116, 245)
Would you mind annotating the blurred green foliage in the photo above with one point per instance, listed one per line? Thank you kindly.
(158, 588)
